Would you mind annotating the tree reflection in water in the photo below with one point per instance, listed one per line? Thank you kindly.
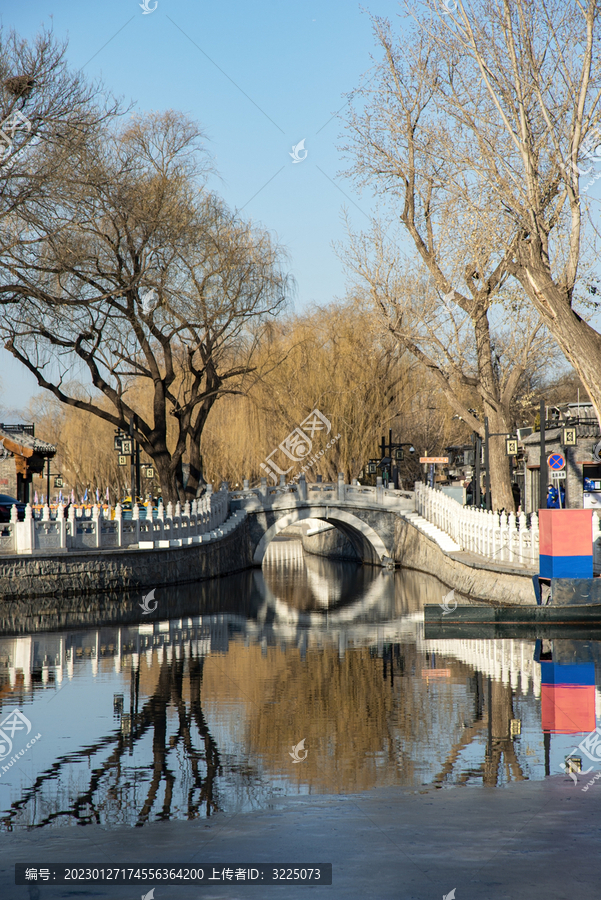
(223, 684)
(109, 784)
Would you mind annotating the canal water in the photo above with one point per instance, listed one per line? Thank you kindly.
(305, 677)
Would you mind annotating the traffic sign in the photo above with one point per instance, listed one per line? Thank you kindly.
(434, 459)
(556, 462)
(557, 474)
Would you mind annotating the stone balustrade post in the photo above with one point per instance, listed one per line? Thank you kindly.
(135, 515)
(341, 487)
(119, 521)
(522, 537)
(302, 489)
(496, 536)
(504, 536)
(512, 535)
(379, 490)
(263, 488)
(26, 532)
(62, 527)
(96, 519)
(534, 538)
(72, 540)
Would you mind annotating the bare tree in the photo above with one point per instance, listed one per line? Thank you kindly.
(143, 282)
(514, 91)
(46, 112)
(401, 144)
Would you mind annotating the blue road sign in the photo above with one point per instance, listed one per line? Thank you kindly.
(556, 461)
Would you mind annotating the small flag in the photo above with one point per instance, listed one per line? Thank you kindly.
(97, 496)
(85, 496)
(72, 496)
(60, 496)
(35, 498)
(107, 496)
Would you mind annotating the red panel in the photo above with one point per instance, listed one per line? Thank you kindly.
(566, 532)
(566, 709)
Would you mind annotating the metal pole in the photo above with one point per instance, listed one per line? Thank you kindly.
(48, 483)
(478, 453)
(132, 464)
(137, 463)
(487, 462)
(390, 443)
(544, 474)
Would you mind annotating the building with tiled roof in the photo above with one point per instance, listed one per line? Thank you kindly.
(22, 455)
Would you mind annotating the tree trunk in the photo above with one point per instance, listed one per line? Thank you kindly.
(488, 385)
(580, 343)
(163, 466)
(500, 472)
(196, 477)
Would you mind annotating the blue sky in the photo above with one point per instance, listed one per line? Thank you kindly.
(259, 77)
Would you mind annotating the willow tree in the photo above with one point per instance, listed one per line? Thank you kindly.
(140, 283)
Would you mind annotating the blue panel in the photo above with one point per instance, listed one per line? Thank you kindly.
(576, 673)
(566, 566)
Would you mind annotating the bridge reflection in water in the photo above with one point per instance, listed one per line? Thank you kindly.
(196, 707)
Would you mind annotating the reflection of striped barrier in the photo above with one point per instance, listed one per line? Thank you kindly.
(567, 697)
(566, 543)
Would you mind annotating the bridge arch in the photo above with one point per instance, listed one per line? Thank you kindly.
(369, 546)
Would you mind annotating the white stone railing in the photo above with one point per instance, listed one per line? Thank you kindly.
(320, 492)
(201, 521)
(499, 537)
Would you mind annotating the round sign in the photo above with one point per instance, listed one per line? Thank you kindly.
(597, 452)
(556, 461)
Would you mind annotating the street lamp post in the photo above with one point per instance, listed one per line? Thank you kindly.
(544, 474)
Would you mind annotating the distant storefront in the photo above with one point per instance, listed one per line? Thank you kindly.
(583, 465)
(22, 456)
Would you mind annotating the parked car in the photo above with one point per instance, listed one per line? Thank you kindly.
(6, 505)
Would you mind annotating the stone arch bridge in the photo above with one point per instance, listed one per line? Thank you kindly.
(365, 515)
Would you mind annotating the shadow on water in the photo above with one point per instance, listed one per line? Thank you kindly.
(196, 706)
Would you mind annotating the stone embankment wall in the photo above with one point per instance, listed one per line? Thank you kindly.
(413, 550)
(84, 573)
(331, 543)
(481, 581)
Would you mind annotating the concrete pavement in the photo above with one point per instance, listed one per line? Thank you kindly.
(526, 841)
